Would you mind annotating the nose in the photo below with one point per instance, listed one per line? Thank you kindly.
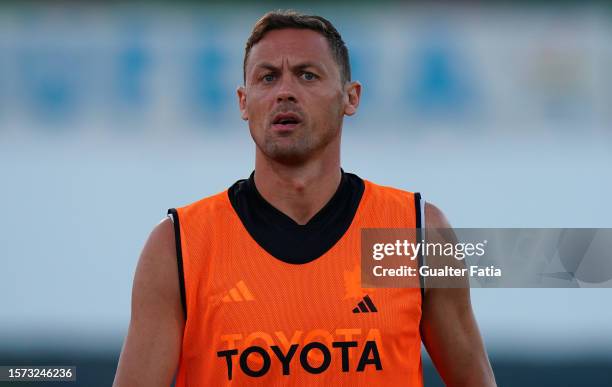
(286, 90)
(285, 96)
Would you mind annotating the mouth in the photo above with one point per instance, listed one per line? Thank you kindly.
(286, 121)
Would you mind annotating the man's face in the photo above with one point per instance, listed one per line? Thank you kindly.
(293, 96)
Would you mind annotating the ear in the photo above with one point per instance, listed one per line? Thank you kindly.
(353, 93)
(241, 92)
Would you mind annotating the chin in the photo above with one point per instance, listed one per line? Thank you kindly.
(289, 157)
(286, 153)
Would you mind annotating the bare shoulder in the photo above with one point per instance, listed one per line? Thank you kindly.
(160, 245)
(157, 270)
(439, 230)
(434, 217)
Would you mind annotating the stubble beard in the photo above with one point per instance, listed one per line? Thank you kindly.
(298, 147)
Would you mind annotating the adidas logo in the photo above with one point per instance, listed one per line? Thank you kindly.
(365, 306)
(239, 293)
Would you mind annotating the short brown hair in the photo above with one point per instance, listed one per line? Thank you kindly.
(281, 19)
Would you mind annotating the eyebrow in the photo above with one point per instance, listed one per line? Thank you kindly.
(300, 66)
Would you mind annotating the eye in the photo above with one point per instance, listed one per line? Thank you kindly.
(308, 76)
(268, 78)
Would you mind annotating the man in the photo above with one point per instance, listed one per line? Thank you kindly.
(260, 284)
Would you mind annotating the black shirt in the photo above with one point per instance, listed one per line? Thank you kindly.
(287, 240)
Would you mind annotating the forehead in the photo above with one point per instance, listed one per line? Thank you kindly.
(292, 44)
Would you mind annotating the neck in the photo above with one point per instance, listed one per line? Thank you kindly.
(299, 191)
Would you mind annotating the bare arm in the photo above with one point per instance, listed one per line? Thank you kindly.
(151, 350)
(449, 329)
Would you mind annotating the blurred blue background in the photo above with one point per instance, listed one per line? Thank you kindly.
(111, 113)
